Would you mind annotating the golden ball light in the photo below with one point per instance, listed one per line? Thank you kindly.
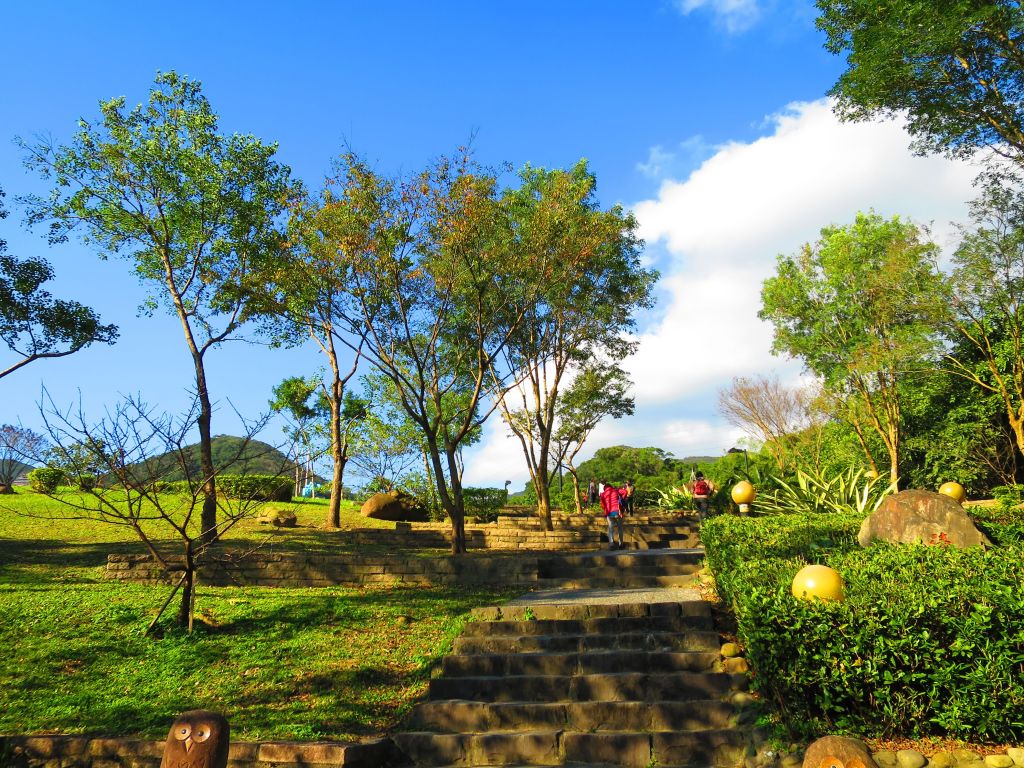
(743, 493)
(818, 582)
(955, 491)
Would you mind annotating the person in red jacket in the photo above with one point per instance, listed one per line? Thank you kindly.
(610, 503)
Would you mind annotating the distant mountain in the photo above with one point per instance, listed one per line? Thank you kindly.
(231, 456)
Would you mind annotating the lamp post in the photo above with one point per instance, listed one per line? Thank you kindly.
(743, 494)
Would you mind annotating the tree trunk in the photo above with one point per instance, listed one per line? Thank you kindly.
(576, 490)
(337, 456)
(208, 517)
(544, 505)
(188, 585)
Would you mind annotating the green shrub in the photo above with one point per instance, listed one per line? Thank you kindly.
(484, 504)
(929, 641)
(86, 481)
(1009, 497)
(645, 498)
(256, 487)
(849, 491)
(172, 487)
(45, 479)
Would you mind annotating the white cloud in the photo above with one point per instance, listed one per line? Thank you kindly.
(722, 227)
(734, 15)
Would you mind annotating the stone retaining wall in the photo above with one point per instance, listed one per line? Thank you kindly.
(302, 570)
(85, 752)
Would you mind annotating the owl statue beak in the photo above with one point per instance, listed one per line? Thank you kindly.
(189, 744)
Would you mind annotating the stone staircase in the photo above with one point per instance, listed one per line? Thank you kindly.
(622, 569)
(581, 683)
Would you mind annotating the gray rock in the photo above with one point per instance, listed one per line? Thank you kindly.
(941, 760)
(1017, 755)
(837, 751)
(924, 517)
(395, 506)
(730, 650)
(999, 761)
(886, 759)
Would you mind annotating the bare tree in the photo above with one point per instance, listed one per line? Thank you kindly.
(18, 445)
(137, 450)
(769, 412)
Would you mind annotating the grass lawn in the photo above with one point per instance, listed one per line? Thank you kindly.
(331, 663)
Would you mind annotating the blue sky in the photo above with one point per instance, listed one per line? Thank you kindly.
(706, 117)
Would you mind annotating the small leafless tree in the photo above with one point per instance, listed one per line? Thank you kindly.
(137, 450)
(770, 412)
(17, 446)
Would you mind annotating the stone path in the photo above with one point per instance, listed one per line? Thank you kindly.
(614, 662)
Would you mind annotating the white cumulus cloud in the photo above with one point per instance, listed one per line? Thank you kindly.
(718, 232)
(734, 15)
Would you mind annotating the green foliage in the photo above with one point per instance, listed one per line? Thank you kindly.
(952, 69)
(483, 504)
(675, 498)
(812, 492)
(1009, 497)
(256, 487)
(927, 643)
(46, 479)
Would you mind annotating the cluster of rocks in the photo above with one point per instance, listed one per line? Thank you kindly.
(844, 752)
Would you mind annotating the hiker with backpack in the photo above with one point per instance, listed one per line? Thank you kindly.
(702, 491)
(611, 504)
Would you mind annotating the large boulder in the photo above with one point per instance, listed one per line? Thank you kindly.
(921, 517)
(838, 752)
(395, 506)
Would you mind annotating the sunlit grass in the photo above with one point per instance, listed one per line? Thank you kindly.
(280, 663)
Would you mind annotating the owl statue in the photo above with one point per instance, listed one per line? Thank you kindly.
(198, 739)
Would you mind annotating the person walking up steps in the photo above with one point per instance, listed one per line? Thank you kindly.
(701, 494)
(610, 503)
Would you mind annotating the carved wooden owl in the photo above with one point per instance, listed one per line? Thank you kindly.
(198, 739)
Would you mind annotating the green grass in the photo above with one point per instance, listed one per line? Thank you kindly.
(280, 663)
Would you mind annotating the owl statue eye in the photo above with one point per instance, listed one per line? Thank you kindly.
(182, 732)
(202, 733)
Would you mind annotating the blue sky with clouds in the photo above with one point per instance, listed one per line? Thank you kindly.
(706, 117)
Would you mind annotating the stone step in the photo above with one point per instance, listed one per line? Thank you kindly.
(623, 559)
(624, 582)
(528, 612)
(601, 571)
(627, 686)
(592, 626)
(498, 665)
(636, 641)
(686, 749)
(587, 716)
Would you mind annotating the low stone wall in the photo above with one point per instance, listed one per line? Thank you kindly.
(85, 752)
(490, 536)
(302, 570)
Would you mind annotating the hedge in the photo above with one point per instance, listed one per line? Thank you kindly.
(929, 641)
(46, 479)
(249, 487)
(484, 503)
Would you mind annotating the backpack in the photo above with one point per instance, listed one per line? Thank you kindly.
(701, 488)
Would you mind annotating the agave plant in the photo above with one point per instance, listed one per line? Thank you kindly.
(675, 498)
(850, 491)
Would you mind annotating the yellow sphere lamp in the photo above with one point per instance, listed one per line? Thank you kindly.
(743, 494)
(955, 491)
(818, 582)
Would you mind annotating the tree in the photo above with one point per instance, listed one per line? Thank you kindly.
(18, 445)
(859, 307)
(955, 69)
(388, 443)
(193, 211)
(590, 280)
(292, 398)
(987, 323)
(33, 324)
(136, 449)
(435, 296)
(770, 412)
(597, 392)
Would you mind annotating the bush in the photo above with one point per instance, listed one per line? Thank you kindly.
(1009, 497)
(928, 642)
(256, 487)
(45, 479)
(484, 504)
(86, 481)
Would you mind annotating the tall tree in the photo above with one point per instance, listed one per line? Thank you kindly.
(33, 324)
(955, 69)
(436, 296)
(587, 266)
(18, 445)
(987, 322)
(860, 307)
(294, 398)
(597, 392)
(193, 211)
